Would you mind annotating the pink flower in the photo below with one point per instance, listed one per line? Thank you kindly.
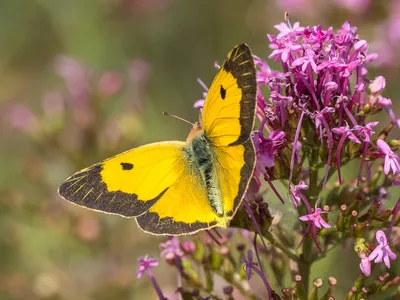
(285, 29)
(285, 53)
(345, 131)
(296, 194)
(365, 265)
(188, 247)
(264, 72)
(391, 158)
(265, 149)
(366, 131)
(145, 264)
(316, 218)
(382, 252)
(307, 60)
(171, 249)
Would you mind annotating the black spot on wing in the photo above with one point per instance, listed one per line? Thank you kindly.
(126, 166)
(222, 91)
(87, 189)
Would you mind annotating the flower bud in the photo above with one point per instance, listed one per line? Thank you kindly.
(331, 86)
(375, 287)
(361, 45)
(394, 282)
(352, 293)
(287, 295)
(317, 284)
(361, 229)
(378, 85)
(299, 287)
(332, 283)
(384, 102)
(341, 219)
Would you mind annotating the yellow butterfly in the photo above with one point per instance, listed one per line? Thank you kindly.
(175, 187)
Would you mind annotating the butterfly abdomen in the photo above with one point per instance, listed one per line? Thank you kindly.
(201, 154)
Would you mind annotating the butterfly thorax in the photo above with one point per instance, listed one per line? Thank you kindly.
(200, 153)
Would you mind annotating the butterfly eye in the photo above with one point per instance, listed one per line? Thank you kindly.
(222, 91)
(126, 166)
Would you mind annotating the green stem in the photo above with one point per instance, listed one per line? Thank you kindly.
(277, 244)
(312, 196)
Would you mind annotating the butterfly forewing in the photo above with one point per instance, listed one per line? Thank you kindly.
(229, 109)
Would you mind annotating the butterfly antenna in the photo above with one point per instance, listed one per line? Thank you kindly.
(176, 117)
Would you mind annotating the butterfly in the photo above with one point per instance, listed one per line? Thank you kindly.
(176, 187)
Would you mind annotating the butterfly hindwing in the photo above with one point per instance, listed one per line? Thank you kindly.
(183, 209)
(234, 166)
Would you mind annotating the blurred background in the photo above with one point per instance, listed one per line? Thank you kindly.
(81, 80)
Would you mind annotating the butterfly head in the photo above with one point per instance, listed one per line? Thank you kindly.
(196, 130)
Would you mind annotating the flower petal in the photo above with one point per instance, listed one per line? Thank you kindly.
(383, 146)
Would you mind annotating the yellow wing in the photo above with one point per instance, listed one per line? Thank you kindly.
(229, 108)
(228, 119)
(183, 209)
(127, 184)
(155, 183)
(234, 167)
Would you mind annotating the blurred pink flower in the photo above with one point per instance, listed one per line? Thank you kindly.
(355, 6)
(23, 119)
(139, 71)
(295, 6)
(110, 83)
(188, 247)
(88, 229)
(75, 77)
(53, 104)
(171, 249)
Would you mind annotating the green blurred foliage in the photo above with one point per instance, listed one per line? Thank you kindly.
(50, 249)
